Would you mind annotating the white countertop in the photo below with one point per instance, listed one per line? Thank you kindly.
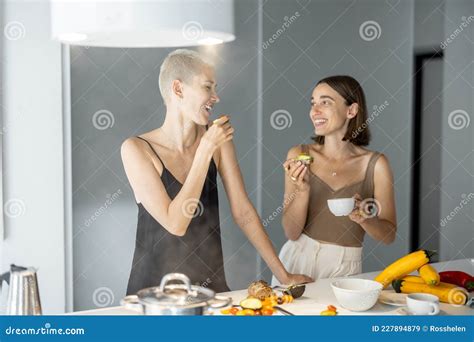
(319, 295)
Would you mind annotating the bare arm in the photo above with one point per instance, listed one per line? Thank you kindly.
(175, 215)
(382, 226)
(246, 216)
(296, 197)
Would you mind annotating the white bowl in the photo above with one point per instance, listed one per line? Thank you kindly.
(356, 294)
(341, 206)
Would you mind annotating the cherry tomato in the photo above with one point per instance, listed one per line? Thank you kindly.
(332, 308)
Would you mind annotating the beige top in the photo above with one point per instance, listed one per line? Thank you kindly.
(321, 224)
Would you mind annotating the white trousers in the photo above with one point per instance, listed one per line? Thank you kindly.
(319, 260)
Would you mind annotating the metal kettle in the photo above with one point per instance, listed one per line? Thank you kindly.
(23, 293)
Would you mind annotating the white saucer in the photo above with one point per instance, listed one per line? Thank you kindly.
(404, 312)
(393, 298)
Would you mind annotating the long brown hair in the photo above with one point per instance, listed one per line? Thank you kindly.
(358, 131)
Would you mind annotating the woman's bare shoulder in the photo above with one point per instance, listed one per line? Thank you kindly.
(294, 151)
(382, 165)
(136, 151)
(131, 145)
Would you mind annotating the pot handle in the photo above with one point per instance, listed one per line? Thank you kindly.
(132, 302)
(219, 302)
(175, 276)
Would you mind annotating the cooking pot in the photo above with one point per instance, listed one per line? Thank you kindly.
(175, 299)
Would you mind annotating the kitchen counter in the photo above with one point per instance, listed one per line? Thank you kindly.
(319, 294)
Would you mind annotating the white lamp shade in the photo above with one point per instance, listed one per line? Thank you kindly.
(142, 23)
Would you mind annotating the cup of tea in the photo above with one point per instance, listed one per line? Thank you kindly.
(422, 304)
(341, 206)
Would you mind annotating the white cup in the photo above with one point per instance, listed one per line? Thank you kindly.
(422, 304)
(341, 206)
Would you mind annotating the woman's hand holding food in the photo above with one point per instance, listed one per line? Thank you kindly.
(298, 173)
(218, 133)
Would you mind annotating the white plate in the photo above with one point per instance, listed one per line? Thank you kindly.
(393, 298)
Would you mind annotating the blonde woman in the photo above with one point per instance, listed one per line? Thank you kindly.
(320, 244)
(173, 173)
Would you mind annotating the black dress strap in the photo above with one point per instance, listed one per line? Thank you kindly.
(156, 154)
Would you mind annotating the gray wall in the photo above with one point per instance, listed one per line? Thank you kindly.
(457, 185)
(125, 83)
(328, 33)
(429, 24)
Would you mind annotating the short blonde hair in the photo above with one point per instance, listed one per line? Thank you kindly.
(181, 64)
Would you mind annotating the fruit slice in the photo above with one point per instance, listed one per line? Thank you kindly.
(251, 303)
(221, 119)
(328, 313)
(304, 158)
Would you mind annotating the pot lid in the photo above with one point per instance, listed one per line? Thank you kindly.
(182, 295)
